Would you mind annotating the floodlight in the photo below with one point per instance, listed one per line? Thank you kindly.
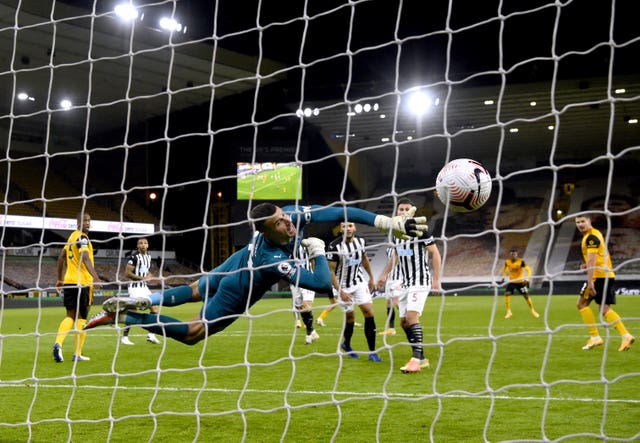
(126, 11)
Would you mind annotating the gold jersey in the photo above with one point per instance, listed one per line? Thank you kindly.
(77, 243)
(593, 242)
(515, 269)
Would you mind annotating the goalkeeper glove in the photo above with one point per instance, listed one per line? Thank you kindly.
(314, 246)
(403, 226)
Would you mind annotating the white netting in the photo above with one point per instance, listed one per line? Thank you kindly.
(99, 112)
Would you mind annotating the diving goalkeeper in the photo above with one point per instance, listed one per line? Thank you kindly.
(233, 287)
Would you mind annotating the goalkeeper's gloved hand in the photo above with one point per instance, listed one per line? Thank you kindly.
(314, 246)
(403, 226)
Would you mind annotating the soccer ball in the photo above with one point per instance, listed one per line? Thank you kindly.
(463, 184)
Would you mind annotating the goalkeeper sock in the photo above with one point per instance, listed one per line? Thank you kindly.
(391, 316)
(172, 297)
(307, 319)
(80, 336)
(348, 333)
(590, 320)
(370, 332)
(414, 335)
(65, 326)
(159, 324)
(324, 314)
(612, 317)
(507, 302)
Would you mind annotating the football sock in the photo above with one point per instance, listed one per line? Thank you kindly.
(612, 317)
(65, 326)
(159, 324)
(391, 317)
(307, 319)
(590, 320)
(370, 332)
(80, 336)
(125, 333)
(529, 302)
(172, 297)
(324, 314)
(507, 302)
(414, 335)
(348, 333)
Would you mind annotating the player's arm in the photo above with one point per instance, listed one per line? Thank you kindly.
(591, 270)
(402, 226)
(391, 263)
(367, 267)
(436, 266)
(528, 273)
(84, 258)
(62, 259)
(320, 278)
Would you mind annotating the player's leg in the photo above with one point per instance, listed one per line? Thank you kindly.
(524, 290)
(347, 333)
(411, 307)
(507, 301)
(306, 314)
(323, 315)
(83, 312)
(70, 301)
(589, 319)
(611, 316)
(391, 303)
(362, 297)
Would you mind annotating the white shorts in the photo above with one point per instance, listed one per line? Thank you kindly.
(139, 292)
(360, 295)
(301, 295)
(392, 288)
(413, 299)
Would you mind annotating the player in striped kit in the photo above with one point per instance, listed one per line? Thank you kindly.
(303, 298)
(390, 280)
(412, 256)
(137, 272)
(348, 259)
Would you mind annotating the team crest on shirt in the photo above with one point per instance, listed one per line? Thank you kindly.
(286, 269)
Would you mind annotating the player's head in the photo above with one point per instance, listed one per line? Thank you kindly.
(404, 205)
(273, 223)
(142, 245)
(583, 223)
(348, 230)
(84, 221)
(513, 252)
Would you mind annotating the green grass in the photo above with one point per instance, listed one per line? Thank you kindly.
(491, 380)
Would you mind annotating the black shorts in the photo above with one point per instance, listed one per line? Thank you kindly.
(77, 299)
(512, 288)
(609, 292)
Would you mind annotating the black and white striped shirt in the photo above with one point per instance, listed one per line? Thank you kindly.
(141, 265)
(396, 272)
(349, 256)
(414, 261)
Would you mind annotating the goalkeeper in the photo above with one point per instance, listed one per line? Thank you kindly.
(233, 287)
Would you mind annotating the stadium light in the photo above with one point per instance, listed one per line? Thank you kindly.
(170, 24)
(22, 96)
(65, 103)
(419, 103)
(126, 11)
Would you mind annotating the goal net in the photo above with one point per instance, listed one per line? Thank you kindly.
(171, 120)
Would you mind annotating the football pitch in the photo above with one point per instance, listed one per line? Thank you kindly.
(491, 379)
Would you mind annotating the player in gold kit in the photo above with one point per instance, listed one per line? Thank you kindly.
(516, 267)
(599, 286)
